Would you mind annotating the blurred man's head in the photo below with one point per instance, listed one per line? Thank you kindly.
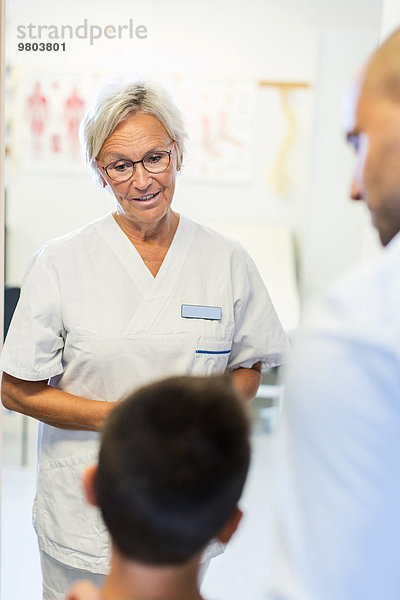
(172, 466)
(375, 135)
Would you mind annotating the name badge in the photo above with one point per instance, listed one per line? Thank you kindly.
(194, 311)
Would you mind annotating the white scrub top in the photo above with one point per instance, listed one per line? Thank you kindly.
(94, 320)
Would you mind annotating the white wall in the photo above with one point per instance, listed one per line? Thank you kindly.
(2, 70)
(2, 73)
(253, 40)
(390, 17)
(338, 231)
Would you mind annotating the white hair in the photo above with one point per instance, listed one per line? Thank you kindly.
(116, 103)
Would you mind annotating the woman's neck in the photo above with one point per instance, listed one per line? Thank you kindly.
(152, 241)
(160, 232)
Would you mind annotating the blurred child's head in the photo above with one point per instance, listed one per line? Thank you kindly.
(173, 462)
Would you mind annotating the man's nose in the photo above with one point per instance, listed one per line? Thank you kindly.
(356, 192)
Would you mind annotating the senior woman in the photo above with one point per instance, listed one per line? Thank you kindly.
(134, 296)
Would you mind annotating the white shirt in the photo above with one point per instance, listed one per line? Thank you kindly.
(94, 320)
(338, 448)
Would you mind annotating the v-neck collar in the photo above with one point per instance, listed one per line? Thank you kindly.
(133, 262)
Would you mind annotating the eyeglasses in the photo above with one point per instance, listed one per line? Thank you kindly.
(153, 162)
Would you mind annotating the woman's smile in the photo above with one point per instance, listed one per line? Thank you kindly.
(146, 198)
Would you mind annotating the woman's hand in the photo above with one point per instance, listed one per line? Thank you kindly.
(52, 406)
(247, 381)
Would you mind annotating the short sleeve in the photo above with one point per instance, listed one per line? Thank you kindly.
(258, 335)
(35, 339)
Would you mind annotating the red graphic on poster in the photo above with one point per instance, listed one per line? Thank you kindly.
(56, 143)
(208, 137)
(224, 133)
(74, 110)
(38, 116)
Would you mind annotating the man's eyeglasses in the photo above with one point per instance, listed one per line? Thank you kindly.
(153, 162)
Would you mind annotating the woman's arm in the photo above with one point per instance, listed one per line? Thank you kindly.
(247, 381)
(39, 400)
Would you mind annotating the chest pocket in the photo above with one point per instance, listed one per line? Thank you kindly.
(211, 356)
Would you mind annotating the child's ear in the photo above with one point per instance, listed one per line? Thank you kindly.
(88, 480)
(230, 526)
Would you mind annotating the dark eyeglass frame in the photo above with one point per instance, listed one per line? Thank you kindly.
(136, 162)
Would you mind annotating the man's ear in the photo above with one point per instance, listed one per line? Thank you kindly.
(230, 526)
(88, 480)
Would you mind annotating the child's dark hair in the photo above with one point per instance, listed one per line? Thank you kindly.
(172, 466)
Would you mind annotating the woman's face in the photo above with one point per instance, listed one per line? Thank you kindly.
(145, 198)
